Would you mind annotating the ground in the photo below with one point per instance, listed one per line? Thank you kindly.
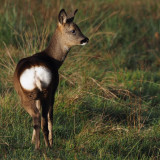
(108, 100)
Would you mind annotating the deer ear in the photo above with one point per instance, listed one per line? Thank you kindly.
(75, 12)
(71, 18)
(62, 17)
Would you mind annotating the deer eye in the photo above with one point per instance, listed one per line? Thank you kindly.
(73, 31)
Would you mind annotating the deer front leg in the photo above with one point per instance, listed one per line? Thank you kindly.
(50, 125)
(44, 121)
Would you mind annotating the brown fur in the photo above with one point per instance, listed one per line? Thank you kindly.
(52, 58)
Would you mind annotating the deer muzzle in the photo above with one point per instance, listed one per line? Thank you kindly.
(84, 41)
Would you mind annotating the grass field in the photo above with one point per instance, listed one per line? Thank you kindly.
(108, 100)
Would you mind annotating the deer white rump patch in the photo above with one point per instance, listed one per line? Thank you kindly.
(38, 76)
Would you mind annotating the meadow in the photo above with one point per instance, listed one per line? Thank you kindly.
(108, 101)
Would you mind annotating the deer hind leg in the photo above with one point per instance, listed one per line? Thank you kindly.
(38, 105)
(35, 114)
(50, 125)
(44, 122)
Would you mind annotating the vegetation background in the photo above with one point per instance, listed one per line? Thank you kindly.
(108, 101)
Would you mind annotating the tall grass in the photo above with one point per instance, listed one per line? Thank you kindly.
(107, 102)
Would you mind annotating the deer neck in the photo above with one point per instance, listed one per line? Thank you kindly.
(57, 48)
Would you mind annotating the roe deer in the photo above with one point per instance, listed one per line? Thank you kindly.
(36, 77)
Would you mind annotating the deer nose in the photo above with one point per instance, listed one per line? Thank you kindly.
(84, 41)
